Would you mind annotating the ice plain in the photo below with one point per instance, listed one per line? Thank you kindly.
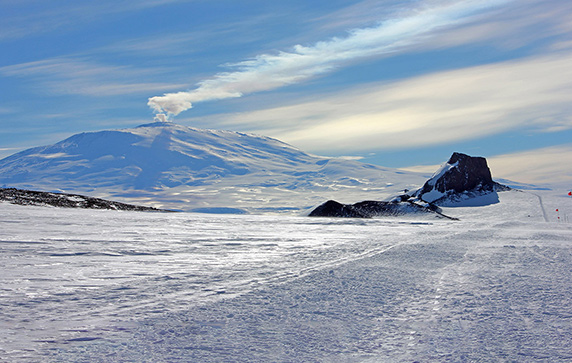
(109, 286)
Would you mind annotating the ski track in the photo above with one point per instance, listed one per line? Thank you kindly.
(94, 286)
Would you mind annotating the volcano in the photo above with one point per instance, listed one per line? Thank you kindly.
(171, 166)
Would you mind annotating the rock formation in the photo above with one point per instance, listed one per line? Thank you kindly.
(463, 177)
(463, 181)
(372, 208)
(63, 200)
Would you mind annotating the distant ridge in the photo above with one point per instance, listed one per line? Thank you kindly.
(63, 200)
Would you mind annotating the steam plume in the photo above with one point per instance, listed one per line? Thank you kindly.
(161, 117)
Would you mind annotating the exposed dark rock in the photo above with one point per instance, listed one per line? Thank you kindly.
(463, 177)
(31, 197)
(334, 209)
(371, 208)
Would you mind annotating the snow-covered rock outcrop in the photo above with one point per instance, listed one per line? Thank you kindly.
(63, 200)
(463, 180)
(372, 208)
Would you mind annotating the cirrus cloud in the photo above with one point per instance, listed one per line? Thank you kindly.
(270, 71)
(550, 165)
(449, 106)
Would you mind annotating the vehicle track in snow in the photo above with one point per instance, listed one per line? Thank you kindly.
(541, 203)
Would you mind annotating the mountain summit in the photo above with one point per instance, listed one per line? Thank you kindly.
(171, 166)
(149, 157)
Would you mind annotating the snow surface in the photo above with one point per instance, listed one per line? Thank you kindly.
(170, 166)
(111, 286)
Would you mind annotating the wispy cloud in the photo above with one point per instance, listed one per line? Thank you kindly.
(202, 39)
(363, 13)
(85, 77)
(6, 110)
(271, 71)
(521, 24)
(549, 165)
(24, 18)
(451, 106)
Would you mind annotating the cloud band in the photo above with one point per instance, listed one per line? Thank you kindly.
(271, 71)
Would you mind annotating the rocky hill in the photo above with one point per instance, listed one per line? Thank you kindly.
(462, 181)
(63, 200)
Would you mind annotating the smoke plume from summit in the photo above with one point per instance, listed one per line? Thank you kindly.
(161, 117)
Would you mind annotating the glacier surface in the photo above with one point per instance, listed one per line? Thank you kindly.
(114, 286)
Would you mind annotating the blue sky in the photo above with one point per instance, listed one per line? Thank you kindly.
(394, 83)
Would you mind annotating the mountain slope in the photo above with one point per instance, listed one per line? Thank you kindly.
(177, 167)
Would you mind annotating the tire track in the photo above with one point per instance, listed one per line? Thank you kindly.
(544, 214)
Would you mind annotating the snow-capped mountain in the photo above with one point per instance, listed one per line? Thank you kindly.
(167, 165)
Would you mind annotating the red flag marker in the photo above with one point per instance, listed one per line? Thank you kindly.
(570, 194)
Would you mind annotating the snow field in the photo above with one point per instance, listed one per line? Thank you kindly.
(105, 286)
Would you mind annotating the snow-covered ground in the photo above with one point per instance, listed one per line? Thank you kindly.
(108, 286)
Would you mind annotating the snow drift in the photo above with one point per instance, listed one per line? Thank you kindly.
(105, 286)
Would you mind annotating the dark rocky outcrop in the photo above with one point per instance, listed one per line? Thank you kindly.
(335, 209)
(31, 197)
(463, 180)
(463, 177)
(463, 173)
(372, 208)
